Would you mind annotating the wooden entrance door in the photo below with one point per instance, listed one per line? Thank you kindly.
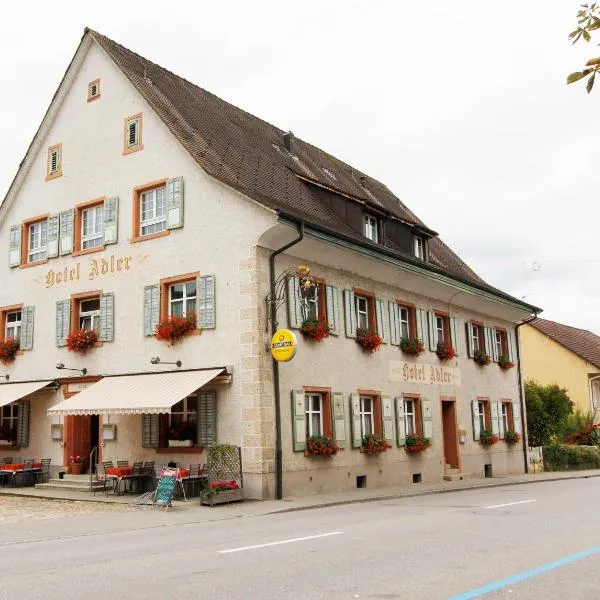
(78, 437)
(450, 434)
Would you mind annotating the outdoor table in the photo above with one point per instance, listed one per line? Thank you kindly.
(15, 468)
(118, 473)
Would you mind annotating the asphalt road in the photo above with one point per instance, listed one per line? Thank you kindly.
(537, 541)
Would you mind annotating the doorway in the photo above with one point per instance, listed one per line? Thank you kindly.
(82, 433)
(94, 439)
(450, 434)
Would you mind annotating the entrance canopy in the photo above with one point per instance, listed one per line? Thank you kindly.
(135, 394)
(9, 392)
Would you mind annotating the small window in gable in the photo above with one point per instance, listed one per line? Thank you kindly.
(370, 227)
(93, 90)
(54, 164)
(133, 134)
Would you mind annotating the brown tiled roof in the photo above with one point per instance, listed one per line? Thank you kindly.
(249, 155)
(580, 341)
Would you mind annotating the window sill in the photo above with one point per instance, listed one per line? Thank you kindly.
(150, 236)
(180, 450)
(88, 251)
(33, 264)
(94, 98)
(54, 175)
(127, 151)
(11, 448)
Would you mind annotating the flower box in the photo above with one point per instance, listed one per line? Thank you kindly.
(374, 444)
(174, 328)
(180, 443)
(315, 329)
(505, 363)
(321, 445)
(445, 352)
(368, 340)
(224, 497)
(512, 437)
(81, 341)
(5, 442)
(481, 358)
(8, 351)
(416, 443)
(412, 345)
(488, 438)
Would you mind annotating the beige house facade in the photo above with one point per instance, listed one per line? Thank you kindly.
(143, 200)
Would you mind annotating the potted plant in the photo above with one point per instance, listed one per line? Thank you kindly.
(481, 358)
(416, 442)
(368, 340)
(8, 350)
(488, 438)
(174, 328)
(374, 444)
(505, 363)
(321, 445)
(512, 437)
(225, 477)
(445, 351)
(77, 465)
(81, 341)
(315, 329)
(412, 345)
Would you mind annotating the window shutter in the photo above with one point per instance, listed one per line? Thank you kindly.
(349, 314)
(107, 317)
(333, 310)
(501, 431)
(175, 203)
(387, 415)
(427, 418)
(469, 328)
(23, 424)
(26, 341)
(339, 419)
(517, 417)
(206, 302)
(150, 431)
(207, 418)
(400, 424)
(509, 343)
(394, 323)
(110, 216)
(63, 321)
(495, 418)
(422, 325)
(298, 420)
(66, 231)
(53, 229)
(14, 246)
(433, 341)
(355, 420)
(489, 346)
(454, 334)
(293, 302)
(475, 411)
(494, 353)
(382, 319)
(151, 309)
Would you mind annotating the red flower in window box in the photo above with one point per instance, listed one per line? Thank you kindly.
(174, 328)
(374, 444)
(512, 437)
(416, 443)
(481, 358)
(369, 341)
(488, 438)
(81, 341)
(412, 345)
(316, 329)
(8, 350)
(321, 445)
(223, 486)
(504, 363)
(445, 351)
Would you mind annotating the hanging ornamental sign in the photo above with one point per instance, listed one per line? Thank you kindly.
(283, 345)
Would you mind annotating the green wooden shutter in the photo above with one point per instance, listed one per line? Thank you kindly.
(52, 236)
(339, 418)
(14, 246)
(175, 203)
(433, 341)
(293, 303)
(206, 302)
(475, 415)
(63, 321)
(427, 418)
(509, 343)
(489, 345)
(394, 311)
(349, 314)
(26, 340)
(469, 332)
(150, 431)
(400, 424)
(501, 431)
(454, 334)
(207, 418)
(494, 354)
(67, 218)
(387, 417)
(151, 308)
(23, 424)
(422, 325)
(495, 418)
(382, 319)
(517, 417)
(333, 310)
(355, 420)
(299, 420)
(107, 317)
(110, 216)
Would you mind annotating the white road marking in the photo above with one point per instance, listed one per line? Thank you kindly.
(510, 504)
(290, 541)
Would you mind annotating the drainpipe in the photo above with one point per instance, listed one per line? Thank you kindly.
(521, 394)
(276, 389)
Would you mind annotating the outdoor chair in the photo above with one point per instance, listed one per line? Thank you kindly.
(122, 463)
(43, 473)
(193, 481)
(148, 475)
(26, 474)
(103, 482)
(7, 460)
(137, 472)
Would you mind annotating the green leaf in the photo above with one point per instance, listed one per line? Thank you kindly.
(573, 77)
(590, 83)
(592, 61)
(586, 36)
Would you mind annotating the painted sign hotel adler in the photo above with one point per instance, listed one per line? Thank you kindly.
(407, 372)
(98, 267)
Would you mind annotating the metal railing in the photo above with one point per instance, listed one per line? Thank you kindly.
(93, 456)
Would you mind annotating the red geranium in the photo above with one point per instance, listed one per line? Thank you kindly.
(8, 350)
(321, 445)
(222, 486)
(374, 444)
(173, 328)
(317, 329)
(412, 345)
(415, 443)
(445, 351)
(82, 340)
(505, 363)
(369, 341)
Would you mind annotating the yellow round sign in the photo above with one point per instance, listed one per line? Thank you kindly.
(283, 345)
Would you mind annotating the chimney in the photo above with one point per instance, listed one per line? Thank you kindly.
(288, 141)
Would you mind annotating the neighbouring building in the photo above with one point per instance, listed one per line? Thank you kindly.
(568, 356)
(144, 201)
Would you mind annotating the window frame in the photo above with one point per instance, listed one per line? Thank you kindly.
(478, 334)
(445, 319)
(127, 148)
(419, 242)
(165, 286)
(375, 396)
(507, 415)
(321, 304)
(327, 419)
(16, 324)
(485, 416)
(4, 311)
(14, 417)
(364, 414)
(502, 342)
(371, 223)
(93, 315)
(78, 241)
(50, 174)
(25, 233)
(76, 300)
(136, 221)
(184, 299)
(411, 311)
(417, 415)
(166, 423)
(91, 97)
(369, 297)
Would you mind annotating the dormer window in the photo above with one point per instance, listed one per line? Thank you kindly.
(370, 227)
(419, 247)
(93, 90)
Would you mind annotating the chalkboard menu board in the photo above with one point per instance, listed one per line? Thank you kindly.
(165, 488)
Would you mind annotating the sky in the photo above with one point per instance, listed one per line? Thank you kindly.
(460, 108)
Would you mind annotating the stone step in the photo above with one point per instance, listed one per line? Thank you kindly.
(70, 482)
(457, 476)
(65, 486)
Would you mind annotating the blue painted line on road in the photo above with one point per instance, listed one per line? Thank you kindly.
(502, 583)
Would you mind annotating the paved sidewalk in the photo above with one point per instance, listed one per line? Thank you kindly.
(194, 511)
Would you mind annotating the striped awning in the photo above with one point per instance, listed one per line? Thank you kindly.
(9, 392)
(135, 394)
